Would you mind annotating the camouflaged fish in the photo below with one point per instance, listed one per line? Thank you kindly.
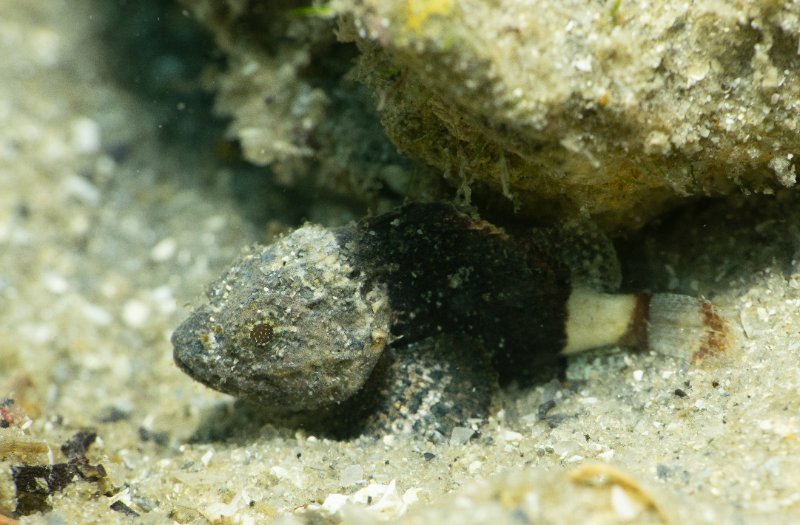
(408, 321)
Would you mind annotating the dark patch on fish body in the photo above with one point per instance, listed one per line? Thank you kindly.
(449, 273)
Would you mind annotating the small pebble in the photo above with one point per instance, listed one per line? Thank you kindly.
(625, 507)
(162, 299)
(95, 314)
(218, 510)
(608, 455)
(460, 435)
(85, 136)
(82, 189)
(334, 502)
(510, 435)
(164, 250)
(135, 313)
(206, 458)
(55, 283)
(45, 45)
(351, 475)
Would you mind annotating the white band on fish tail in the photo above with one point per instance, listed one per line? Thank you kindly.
(597, 319)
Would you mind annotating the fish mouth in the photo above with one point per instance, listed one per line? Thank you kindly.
(190, 350)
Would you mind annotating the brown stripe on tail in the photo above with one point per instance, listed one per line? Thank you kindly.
(684, 326)
(637, 326)
(680, 325)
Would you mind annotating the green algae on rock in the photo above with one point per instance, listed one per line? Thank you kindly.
(607, 109)
(613, 110)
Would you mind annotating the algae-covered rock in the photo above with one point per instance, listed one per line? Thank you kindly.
(292, 106)
(614, 110)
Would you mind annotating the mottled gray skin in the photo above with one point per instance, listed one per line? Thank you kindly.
(287, 326)
(397, 322)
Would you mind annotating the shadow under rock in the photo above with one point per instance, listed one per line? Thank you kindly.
(711, 246)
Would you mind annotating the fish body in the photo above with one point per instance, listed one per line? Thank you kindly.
(407, 320)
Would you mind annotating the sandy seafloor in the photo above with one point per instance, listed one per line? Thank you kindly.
(109, 232)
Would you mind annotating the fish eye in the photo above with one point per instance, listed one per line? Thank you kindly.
(262, 334)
